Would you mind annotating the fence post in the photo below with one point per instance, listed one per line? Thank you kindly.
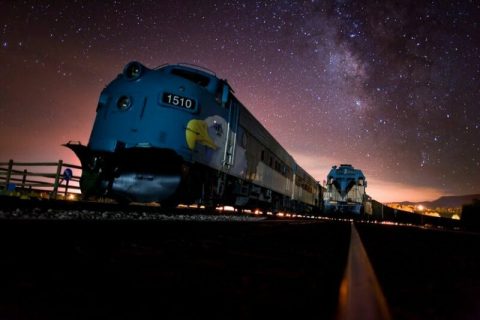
(24, 179)
(57, 179)
(9, 173)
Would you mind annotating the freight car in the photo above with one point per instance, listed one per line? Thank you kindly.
(345, 191)
(177, 134)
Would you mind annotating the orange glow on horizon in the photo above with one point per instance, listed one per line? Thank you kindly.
(386, 191)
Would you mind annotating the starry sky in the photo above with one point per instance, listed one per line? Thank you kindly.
(391, 87)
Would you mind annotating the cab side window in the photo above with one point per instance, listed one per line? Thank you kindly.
(191, 76)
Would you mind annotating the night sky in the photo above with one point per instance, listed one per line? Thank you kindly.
(391, 87)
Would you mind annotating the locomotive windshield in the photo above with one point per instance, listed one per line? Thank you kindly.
(192, 76)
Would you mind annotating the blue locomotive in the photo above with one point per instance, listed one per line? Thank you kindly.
(177, 134)
(345, 191)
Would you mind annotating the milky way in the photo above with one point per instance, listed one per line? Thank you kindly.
(390, 87)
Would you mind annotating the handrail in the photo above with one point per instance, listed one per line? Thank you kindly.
(41, 164)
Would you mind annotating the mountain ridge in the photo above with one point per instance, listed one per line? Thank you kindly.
(445, 201)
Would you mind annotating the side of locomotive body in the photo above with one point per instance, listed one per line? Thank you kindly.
(178, 134)
(345, 191)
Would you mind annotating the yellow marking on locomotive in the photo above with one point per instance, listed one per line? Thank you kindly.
(197, 131)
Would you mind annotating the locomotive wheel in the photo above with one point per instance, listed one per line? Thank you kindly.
(169, 204)
(89, 183)
(210, 208)
(123, 201)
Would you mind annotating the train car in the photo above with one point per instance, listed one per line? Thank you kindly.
(177, 134)
(345, 191)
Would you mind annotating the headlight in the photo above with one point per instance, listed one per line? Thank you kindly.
(124, 103)
(133, 70)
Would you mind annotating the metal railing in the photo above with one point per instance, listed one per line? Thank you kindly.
(54, 180)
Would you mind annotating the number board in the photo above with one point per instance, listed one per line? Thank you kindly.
(178, 101)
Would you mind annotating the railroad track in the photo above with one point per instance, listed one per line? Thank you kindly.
(224, 269)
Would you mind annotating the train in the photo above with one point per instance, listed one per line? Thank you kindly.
(345, 192)
(178, 134)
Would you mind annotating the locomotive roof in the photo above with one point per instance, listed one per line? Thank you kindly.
(195, 69)
(346, 170)
(188, 66)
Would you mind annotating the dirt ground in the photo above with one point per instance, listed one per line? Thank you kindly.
(170, 270)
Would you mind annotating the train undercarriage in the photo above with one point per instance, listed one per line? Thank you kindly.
(160, 175)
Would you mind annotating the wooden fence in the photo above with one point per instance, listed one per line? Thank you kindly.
(54, 180)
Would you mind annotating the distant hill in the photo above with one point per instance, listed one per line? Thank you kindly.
(446, 201)
(453, 201)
